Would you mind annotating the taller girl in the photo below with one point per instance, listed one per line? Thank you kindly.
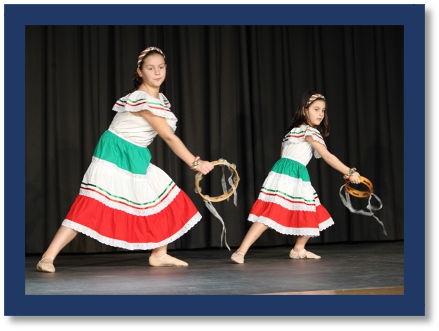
(124, 200)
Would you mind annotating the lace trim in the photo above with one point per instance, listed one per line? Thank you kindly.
(307, 232)
(326, 224)
(315, 135)
(131, 246)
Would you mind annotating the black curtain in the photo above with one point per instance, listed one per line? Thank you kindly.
(234, 90)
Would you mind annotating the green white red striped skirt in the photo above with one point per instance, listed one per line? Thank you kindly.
(125, 201)
(288, 203)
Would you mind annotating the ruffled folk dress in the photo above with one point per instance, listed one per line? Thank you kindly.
(124, 200)
(287, 201)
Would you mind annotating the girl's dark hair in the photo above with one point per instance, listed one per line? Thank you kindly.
(300, 117)
(137, 80)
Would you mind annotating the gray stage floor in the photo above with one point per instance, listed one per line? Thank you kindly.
(210, 272)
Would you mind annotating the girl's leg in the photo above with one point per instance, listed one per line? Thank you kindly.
(252, 235)
(160, 258)
(300, 243)
(63, 236)
(299, 252)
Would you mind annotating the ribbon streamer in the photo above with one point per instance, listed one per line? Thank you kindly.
(232, 185)
(347, 202)
(212, 209)
(227, 193)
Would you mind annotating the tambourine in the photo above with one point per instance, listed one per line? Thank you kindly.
(357, 193)
(361, 194)
(227, 194)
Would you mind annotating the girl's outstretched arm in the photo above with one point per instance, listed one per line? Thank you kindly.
(332, 160)
(173, 141)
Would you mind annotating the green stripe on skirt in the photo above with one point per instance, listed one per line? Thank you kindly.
(291, 168)
(122, 153)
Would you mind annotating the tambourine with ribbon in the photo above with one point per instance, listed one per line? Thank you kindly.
(361, 194)
(233, 181)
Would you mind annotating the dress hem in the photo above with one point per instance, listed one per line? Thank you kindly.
(131, 246)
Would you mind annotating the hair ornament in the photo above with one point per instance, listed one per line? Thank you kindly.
(314, 97)
(146, 51)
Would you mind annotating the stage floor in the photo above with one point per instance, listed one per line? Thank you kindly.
(345, 269)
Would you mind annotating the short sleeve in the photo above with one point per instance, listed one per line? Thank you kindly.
(139, 100)
(297, 135)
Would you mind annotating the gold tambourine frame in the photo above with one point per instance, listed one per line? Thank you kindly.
(357, 193)
(224, 196)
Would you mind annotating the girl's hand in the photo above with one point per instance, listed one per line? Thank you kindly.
(204, 167)
(355, 178)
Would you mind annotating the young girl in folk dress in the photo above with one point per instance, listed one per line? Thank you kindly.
(287, 202)
(124, 200)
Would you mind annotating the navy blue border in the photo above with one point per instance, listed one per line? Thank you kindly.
(412, 303)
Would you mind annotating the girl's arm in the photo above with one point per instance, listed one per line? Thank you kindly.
(332, 160)
(173, 141)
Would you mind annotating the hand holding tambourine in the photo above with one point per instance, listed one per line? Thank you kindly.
(227, 193)
(361, 194)
(233, 181)
(204, 167)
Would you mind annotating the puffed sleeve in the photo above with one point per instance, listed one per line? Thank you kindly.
(298, 135)
(139, 100)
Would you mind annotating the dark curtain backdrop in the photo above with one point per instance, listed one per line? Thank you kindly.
(234, 90)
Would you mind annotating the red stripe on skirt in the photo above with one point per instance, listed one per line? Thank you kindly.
(117, 224)
(290, 218)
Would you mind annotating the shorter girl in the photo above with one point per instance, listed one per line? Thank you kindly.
(287, 201)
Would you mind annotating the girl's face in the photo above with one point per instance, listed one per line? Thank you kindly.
(153, 70)
(315, 113)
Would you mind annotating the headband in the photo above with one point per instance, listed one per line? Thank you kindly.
(146, 51)
(313, 98)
